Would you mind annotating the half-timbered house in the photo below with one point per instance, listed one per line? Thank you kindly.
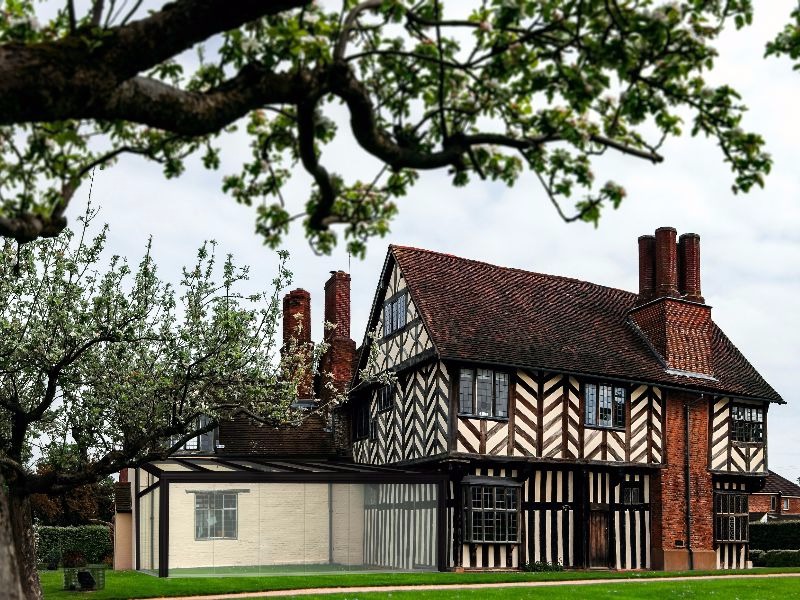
(578, 424)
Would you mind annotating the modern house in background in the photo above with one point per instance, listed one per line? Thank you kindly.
(778, 500)
(529, 418)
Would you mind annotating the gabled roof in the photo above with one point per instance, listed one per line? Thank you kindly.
(482, 313)
(775, 484)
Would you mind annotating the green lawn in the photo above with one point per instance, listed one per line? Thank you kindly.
(130, 584)
(754, 589)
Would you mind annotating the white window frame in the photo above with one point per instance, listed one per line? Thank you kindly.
(218, 506)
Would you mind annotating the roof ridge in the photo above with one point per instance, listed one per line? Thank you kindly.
(505, 268)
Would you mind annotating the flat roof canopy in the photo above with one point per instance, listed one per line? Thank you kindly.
(211, 468)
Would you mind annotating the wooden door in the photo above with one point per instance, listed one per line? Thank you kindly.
(598, 538)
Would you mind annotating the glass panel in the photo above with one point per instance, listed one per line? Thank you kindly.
(619, 407)
(387, 318)
(465, 392)
(500, 498)
(501, 528)
(488, 526)
(501, 394)
(590, 391)
(484, 392)
(604, 406)
(400, 312)
(512, 526)
(477, 526)
(476, 497)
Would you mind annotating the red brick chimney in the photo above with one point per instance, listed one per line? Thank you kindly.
(689, 267)
(338, 360)
(666, 262)
(297, 313)
(647, 265)
(669, 311)
(336, 364)
(297, 327)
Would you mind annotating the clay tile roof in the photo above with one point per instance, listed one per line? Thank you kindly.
(776, 484)
(482, 313)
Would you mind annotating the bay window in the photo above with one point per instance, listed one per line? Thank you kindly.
(491, 513)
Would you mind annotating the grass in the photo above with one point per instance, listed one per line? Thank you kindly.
(754, 589)
(270, 570)
(130, 584)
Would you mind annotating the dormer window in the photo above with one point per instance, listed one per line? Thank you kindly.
(605, 405)
(483, 393)
(203, 442)
(394, 314)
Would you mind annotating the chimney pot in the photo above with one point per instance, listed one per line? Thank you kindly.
(337, 304)
(666, 262)
(647, 261)
(689, 263)
(297, 302)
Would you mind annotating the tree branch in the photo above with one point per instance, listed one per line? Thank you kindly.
(66, 78)
(347, 28)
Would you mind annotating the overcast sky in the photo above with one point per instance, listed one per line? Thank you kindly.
(750, 243)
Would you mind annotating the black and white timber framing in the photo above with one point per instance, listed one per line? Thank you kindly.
(574, 507)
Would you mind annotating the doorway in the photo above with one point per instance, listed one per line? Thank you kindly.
(598, 539)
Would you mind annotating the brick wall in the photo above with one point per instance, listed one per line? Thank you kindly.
(760, 502)
(669, 489)
(297, 327)
(679, 331)
(337, 363)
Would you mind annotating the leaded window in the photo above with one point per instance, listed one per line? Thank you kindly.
(491, 513)
(483, 393)
(394, 314)
(385, 398)
(604, 405)
(361, 421)
(632, 493)
(747, 423)
(215, 515)
(731, 516)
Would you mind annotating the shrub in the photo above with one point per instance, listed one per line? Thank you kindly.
(91, 541)
(53, 558)
(541, 566)
(783, 535)
(775, 558)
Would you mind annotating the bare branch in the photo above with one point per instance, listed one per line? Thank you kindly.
(349, 23)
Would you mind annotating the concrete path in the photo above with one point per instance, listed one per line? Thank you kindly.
(463, 586)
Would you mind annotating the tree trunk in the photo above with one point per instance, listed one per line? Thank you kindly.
(9, 574)
(21, 521)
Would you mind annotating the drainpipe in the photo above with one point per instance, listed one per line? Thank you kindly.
(686, 487)
(687, 455)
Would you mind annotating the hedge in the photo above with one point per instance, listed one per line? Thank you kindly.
(93, 541)
(775, 558)
(783, 535)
